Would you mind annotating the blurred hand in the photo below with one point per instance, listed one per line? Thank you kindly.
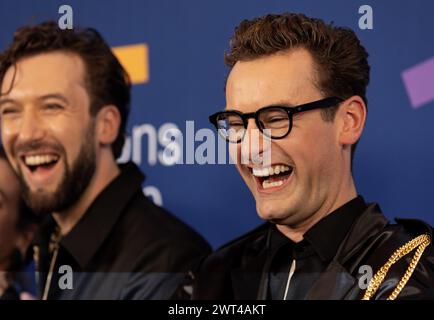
(27, 296)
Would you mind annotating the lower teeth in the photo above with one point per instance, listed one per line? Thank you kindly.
(267, 184)
(45, 165)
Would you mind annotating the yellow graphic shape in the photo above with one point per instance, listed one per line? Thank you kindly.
(135, 59)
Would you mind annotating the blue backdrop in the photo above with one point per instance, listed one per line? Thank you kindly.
(183, 80)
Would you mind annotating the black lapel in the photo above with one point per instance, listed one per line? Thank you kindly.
(249, 281)
(334, 284)
(338, 282)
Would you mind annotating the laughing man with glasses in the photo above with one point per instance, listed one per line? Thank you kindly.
(302, 83)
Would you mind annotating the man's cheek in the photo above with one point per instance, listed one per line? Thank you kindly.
(15, 164)
(234, 153)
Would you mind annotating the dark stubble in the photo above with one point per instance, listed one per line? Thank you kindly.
(74, 182)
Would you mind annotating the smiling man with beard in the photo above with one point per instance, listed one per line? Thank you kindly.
(302, 84)
(64, 105)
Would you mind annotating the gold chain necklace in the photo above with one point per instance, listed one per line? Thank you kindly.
(421, 243)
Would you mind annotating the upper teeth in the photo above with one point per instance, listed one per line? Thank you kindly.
(265, 172)
(39, 159)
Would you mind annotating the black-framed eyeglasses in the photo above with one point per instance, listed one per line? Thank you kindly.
(275, 120)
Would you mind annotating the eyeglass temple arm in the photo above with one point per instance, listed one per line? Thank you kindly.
(326, 103)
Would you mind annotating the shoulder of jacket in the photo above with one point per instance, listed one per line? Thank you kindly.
(411, 258)
(246, 238)
(415, 226)
(230, 255)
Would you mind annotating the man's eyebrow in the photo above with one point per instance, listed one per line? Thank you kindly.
(6, 100)
(282, 103)
(54, 96)
(41, 98)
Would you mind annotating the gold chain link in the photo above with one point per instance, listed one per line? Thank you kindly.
(420, 242)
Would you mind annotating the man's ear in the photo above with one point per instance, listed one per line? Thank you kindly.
(352, 115)
(108, 121)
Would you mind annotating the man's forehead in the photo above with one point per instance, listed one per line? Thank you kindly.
(295, 66)
(43, 74)
(284, 77)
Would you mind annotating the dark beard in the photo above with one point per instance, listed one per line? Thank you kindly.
(74, 182)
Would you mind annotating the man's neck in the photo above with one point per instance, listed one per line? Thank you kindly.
(296, 233)
(105, 173)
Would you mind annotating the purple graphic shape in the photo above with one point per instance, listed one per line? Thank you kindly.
(419, 83)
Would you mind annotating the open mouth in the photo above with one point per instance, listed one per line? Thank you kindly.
(40, 162)
(273, 177)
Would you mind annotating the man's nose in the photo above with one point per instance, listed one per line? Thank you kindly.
(253, 145)
(30, 128)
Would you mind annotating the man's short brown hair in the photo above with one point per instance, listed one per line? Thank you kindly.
(341, 61)
(106, 80)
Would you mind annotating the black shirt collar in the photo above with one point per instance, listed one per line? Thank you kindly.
(86, 237)
(326, 235)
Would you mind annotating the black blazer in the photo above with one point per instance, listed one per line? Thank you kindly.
(124, 247)
(239, 270)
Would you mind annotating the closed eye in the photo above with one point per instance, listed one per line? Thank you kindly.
(276, 119)
(9, 110)
(236, 123)
(53, 106)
